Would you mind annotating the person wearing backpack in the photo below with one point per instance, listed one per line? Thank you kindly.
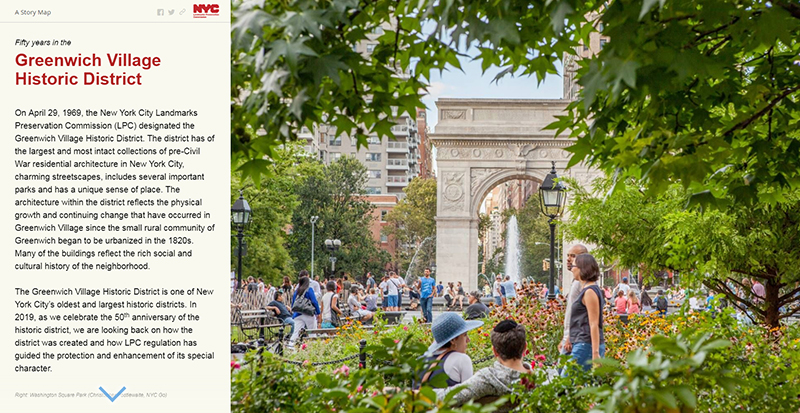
(305, 309)
(661, 304)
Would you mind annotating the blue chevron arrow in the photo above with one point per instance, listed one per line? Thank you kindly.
(115, 396)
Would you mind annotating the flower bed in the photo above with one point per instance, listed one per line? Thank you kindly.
(711, 363)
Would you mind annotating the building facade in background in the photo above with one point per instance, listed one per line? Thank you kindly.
(596, 43)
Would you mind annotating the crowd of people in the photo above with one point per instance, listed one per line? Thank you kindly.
(307, 305)
(311, 303)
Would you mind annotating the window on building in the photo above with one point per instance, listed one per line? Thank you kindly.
(373, 157)
(322, 156)
(335, 156)
(378, 30)
(373, 140)
(383, 215)
(334, 140)
(304, 130)
(384, 238)
(585, 47)
(600, 27)
(373, 190)
(603, 43)
(374, 173)
(370, 48)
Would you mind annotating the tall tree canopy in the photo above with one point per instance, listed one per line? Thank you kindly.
(273, 204)
(717, 248)
(704, 92)
(412, 221)
(332, 193)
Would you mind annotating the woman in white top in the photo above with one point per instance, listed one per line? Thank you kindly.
(353, 301)
(449, 348)
(330, 303)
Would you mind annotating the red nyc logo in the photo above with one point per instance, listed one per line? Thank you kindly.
(201, 11)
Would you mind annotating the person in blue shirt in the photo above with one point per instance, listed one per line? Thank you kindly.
(439, 289)
(427, 284)
(305, 315)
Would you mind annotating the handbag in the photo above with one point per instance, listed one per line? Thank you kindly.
(335, 320)
(303, 306)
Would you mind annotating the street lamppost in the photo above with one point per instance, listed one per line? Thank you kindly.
(240, 215)
(333, 245)
(552, 196)
(313, 225)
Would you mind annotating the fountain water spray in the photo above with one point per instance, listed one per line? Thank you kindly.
(512, 254)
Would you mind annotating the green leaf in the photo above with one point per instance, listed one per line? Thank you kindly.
(665, 398)
(326, 66)
(686, 396)
(627, 72)
(559, 14)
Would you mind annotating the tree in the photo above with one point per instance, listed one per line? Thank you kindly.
(704, 92)
(332, 193)
(294, 63)
(273, 204)
(484, 225)
(716, 248)
(534, 234)
(412, 221)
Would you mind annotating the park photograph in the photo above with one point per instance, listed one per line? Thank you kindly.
(515, 206)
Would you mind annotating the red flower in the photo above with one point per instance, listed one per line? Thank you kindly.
(527, 383)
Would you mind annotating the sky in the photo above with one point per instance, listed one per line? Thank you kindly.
(472, 84)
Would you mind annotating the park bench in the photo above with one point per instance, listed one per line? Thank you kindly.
(393, 317)
(318, 333)
(258, 323)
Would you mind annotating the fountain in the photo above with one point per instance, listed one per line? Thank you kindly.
(512, 250)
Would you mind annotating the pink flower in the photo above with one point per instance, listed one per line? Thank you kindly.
(359, 388)
(375, 393)
(306, 362)
(396, 341)
(234, 364)
(540, 357)
(304, 346)
(344, 370)
(405, 328)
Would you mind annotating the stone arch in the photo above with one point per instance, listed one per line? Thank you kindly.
(481, 143)
(499, 177)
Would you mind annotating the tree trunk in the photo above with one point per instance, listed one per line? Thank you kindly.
(772, 289)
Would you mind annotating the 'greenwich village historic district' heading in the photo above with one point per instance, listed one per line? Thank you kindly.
(117, 60)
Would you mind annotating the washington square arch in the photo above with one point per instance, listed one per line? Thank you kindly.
(481, 143)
